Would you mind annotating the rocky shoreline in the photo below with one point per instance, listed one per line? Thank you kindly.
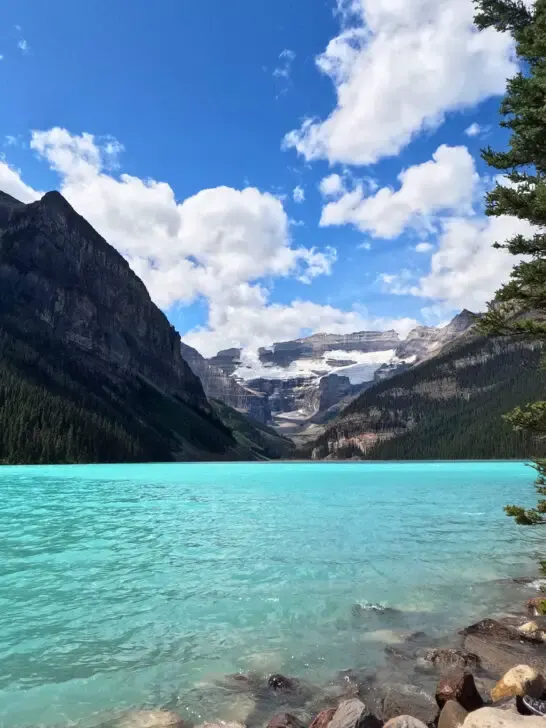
(475, 679)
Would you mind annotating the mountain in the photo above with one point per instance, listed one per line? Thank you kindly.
(225, 388)
(450, 406)
(308, 381)
(90, 369)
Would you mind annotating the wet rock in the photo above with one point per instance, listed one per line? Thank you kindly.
(150, 719)
(285, 720)
(458, 685)
(452, 715)
(404, 721)
(520, 680)
(498, 657)
(492, 630)
(409, 700)
(222, 724)
(358, 609)
(536, 606)
(535, 629)
(496, 718)
(512, 705)
(323, 719)
(280, 682)
(451, 657)
(353, 713)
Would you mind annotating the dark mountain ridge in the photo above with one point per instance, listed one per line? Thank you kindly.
(90, 369)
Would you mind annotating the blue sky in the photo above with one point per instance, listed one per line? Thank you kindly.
(178, 129)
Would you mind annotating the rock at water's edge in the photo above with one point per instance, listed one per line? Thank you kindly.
(354, 714)
(404, 721)
(323, 719)
(452, 716)
(491, 629)
(458, 685)
(451, 657)
(409, 700)
(520, 680)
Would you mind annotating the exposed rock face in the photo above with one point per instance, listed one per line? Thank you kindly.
(71, 286)
(313, 347)
(323, 719)
(81, 336)
(227, 360)
(219, 385)
(285, 720)
(452, 715)
(409, 700)
(451, 657)
(458, 685)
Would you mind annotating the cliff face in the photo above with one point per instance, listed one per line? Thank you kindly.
(219, 385)
(80, 336)
(313, 347)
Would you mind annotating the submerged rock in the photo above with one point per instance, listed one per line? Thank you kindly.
(458, 685)
(280, 682)
(520, 680)
(285, 720)
(150, 719)
(452, 716)
(353, 713)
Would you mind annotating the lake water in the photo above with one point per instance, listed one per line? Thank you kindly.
(143, 585)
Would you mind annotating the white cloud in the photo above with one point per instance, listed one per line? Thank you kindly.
(397, 67)
(447, 182)
(423, 247)
(23, 45)
(466, 270)
(299, 194)
(11, 182)
(476, 129)
(332, 186)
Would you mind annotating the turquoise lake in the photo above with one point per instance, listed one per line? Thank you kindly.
(144, 585)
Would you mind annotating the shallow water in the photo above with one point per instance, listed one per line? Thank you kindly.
(142, 585)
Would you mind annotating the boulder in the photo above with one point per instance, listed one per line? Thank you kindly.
(150, 719)
(458, 684)
(535, 629)
(280, 682)
(512, 705)
(496, 718)
(323, 719)
(492, 630)
(409, 700)
(452, 715)
(451, 657)
(536, 606)
(520, 680)
(285, 720)
(354, 714)
(404, 721)
(498, 657)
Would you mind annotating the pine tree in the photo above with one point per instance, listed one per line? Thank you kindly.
(519, 308)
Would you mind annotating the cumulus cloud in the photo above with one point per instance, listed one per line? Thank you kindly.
(445, 183)
(397, 68)
(423, 247)
(465, 270)
(298, 194)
